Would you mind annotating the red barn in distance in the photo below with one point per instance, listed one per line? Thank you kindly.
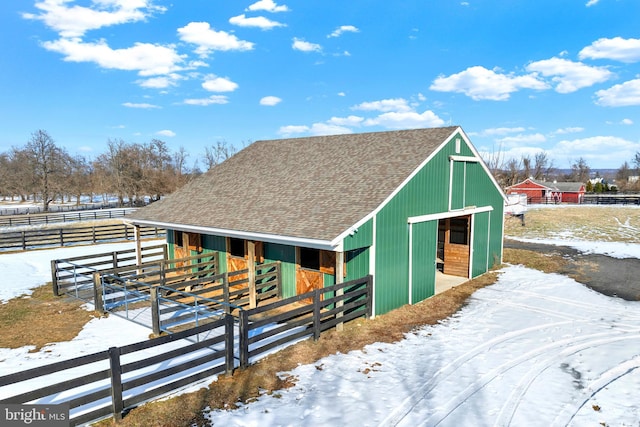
(549, 192)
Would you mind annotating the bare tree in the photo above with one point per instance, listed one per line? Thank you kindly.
(47, 161)
(580, 170)
(542, 165)
(218, 153)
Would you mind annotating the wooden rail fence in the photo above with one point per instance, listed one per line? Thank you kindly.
(52, 237)
(123, 377)
(115, 385)
(74, 276)
(51, 218)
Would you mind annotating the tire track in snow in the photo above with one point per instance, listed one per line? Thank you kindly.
(508, 410)
(477, 385)
(605, 379)
(398, 414)
(410, 402)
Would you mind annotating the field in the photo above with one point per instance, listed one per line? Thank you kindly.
(589, 223)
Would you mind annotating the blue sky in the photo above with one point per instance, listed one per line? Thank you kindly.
(518, 76)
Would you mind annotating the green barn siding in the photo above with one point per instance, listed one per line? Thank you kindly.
(481, 228)
(458, 185)
(423, 268)
(362, 238)
(211, 244)
(170, 244)
(287, 256)
(357, 263)
(428, 193)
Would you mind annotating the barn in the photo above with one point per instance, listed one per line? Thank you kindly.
(549, 192)
(405, 206)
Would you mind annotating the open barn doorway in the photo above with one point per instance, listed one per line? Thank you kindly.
(454, 252)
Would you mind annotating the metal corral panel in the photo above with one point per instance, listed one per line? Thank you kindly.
(287, 256)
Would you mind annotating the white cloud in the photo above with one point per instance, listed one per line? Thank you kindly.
(305, 46)
(596, 149)
(213, 99)
(621, 95)
(267, 5)
(343, 29)
(148, 59)
(617, 48)
(385, 105)
(270, 101)
(257, 21)
(564, 131)
(208, 39)
(352, 121)
(166, 132)
(213, 83)
(479, 83)
(315, 129)
(626, 122)
(160, 82)
(342, 94)
(592, 3)
(518, 140)
(76, 20)
(406, 120)
(139, 105)
(293, 130)
(501, 131)
(570, 76)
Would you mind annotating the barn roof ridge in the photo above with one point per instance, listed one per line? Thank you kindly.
(309, 188)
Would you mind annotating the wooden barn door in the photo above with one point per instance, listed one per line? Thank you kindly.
(185, 244)
(456, 250)
(311, 266)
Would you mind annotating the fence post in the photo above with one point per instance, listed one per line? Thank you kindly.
(369, 296)
(116, 383)
(225, 293)
(54, 277)
(317, 294)
(61, 237)
(155, 311)
(97, 292)
(229, 359)
(340, 292)
(244, 339)
(251, 264)
(279, 278)
(126, 232)
(24, 239)
(114, 261)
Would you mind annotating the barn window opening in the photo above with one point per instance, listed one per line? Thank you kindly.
(459, 231)
(236, 247)
(177, 238)
(310, 258)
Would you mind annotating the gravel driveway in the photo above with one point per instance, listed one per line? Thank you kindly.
(607, 275)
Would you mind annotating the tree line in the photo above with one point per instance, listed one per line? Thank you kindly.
(540, 167)
(135, 173)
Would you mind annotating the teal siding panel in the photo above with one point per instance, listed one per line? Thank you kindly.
(287, 256)
(211, 243)
(481, 228)
(423, 266)
(458, 189)
(361, 238)
(357, 263)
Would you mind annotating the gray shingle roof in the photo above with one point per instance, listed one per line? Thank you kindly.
(568, 187)
(314, 187)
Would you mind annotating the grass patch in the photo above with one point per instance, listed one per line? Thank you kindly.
(40, 319)
(262, 377)
(536, 260)
(580, 222)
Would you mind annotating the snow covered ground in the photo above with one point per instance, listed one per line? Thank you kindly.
(534, 349)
